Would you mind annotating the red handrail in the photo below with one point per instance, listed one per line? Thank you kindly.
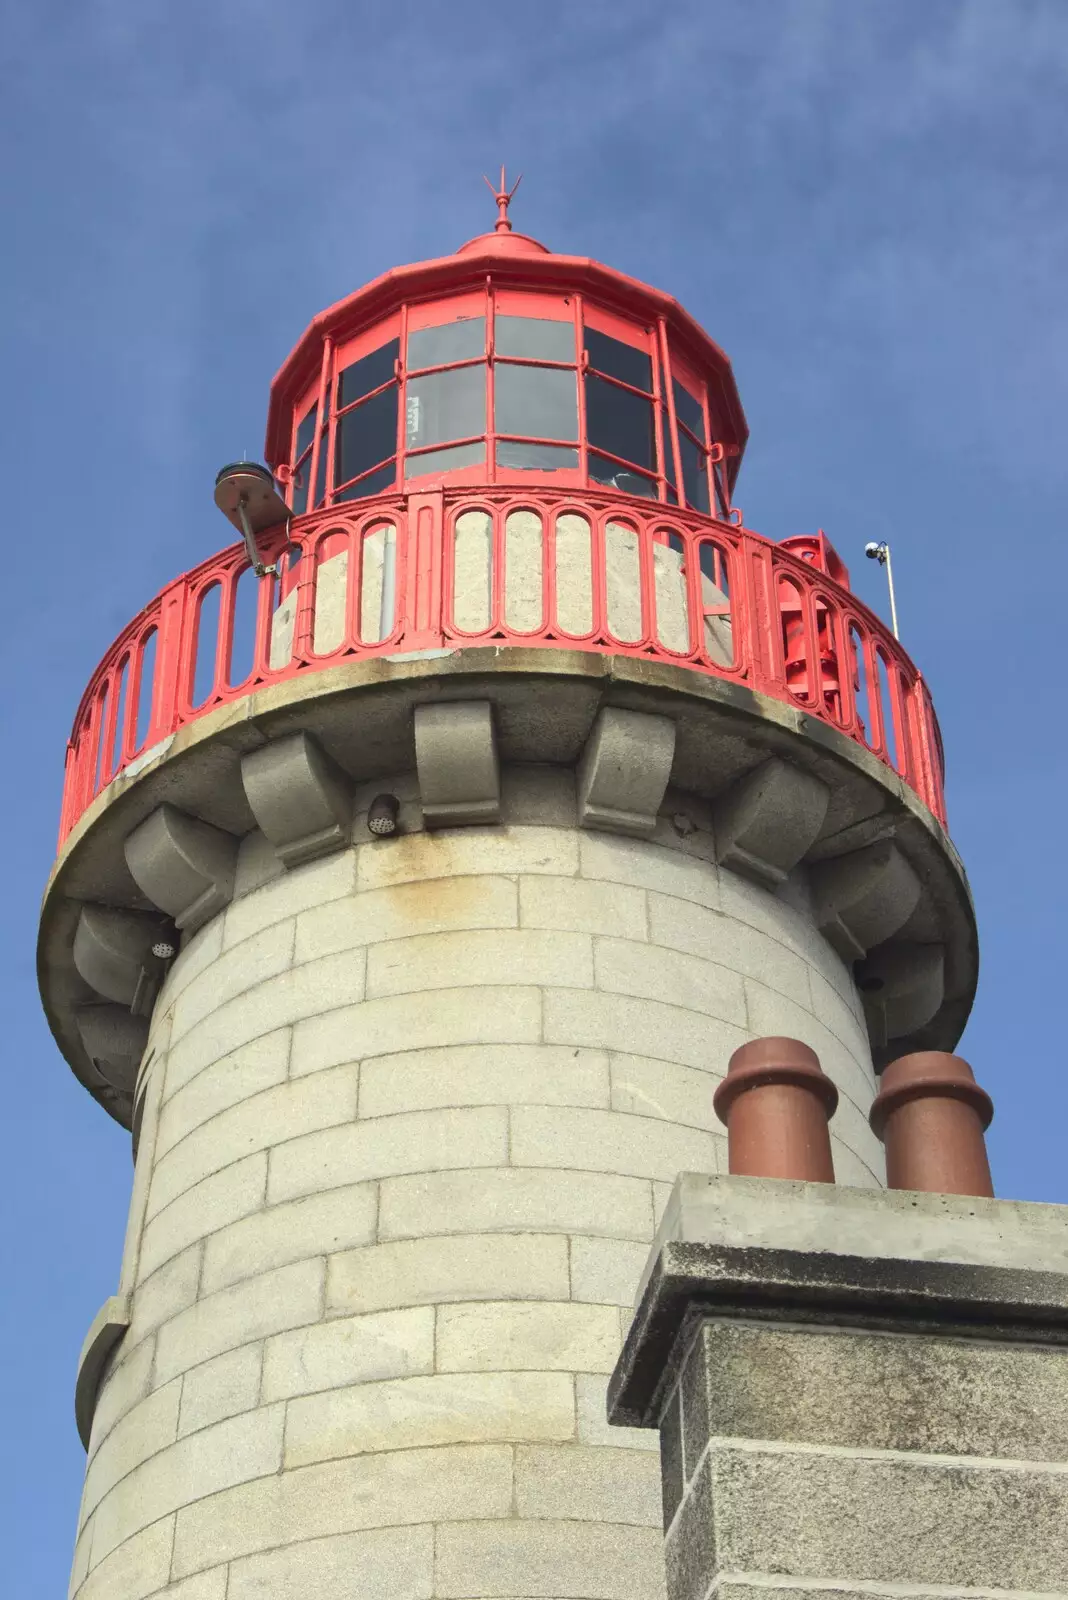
(662, 584)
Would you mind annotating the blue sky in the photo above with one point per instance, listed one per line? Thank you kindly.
(862, 200)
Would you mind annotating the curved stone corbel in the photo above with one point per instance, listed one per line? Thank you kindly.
(113, 953)
(456, 759)
(105, 1331)
(902, 986)
(184, 866)
(624, 771)
(301, 799)
(115, 1042)
(862, 899)
(767, 821)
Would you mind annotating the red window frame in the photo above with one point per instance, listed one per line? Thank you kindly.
(489, 301)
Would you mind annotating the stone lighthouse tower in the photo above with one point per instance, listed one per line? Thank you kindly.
(425, 855)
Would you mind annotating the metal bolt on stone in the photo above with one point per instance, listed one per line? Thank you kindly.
(777, 1102)
(931, 1116)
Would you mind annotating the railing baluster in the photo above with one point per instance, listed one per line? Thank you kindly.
(839, 638)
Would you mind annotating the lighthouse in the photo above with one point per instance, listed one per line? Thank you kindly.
(425, 856)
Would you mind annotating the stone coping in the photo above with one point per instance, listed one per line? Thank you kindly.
(759, 1249)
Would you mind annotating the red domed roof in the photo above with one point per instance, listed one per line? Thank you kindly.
(513, 260)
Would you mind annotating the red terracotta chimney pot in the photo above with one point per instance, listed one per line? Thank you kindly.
(776, 1102)
(931, 1115)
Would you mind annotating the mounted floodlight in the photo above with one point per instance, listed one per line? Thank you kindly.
(382, 815)
(245, 493)
(880, 552)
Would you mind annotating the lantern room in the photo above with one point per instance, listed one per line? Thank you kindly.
(506, 364)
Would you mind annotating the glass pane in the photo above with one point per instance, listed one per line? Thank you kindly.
(669, 455)
(301, 484)
(374, 483)
(542, 401)
(522, 571)
(453, 341)
(370, 372)
(722, 502)
(619, 360)
(620, 422)
(305, 433)
(688, 410)
(472, 572)
(446, 405)
(613, 476)
(366, 436)
(694, 476)
(574, 574)
(457, 455)
(534, 337)
(536, 457)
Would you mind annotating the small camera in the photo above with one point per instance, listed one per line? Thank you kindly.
(873, 551)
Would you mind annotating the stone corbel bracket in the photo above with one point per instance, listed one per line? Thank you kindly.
(300, 798)
(457, 763)
(184, 866)
(115, 1042)
(113, 953)
(860, 900)
(902, 985)
(105, 1332)
(624, 770)
(769, 820)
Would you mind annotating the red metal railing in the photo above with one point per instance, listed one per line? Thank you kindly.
(581, 571)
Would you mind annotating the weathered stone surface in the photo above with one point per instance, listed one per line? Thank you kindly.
(587, 1485)
(465, 1267)
(855, 1390)
(105, 1332)
(456, 757)
(877, 1520)
(902, 985)
(863, 898)
(348, 1350)
(624, 770)
(549, 1558)
(766, 822)
(468, 1075)
(513, 1200)
(114, 1041)
(113, 953)
(527, 1335)
(393, 1488)
(439, 1408)
(184, 866)
(301, 799)
(930, 1394)
(391, 1563)
(313, 1225)
(247, 1312)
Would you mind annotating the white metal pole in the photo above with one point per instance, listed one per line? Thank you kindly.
(890, 585)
